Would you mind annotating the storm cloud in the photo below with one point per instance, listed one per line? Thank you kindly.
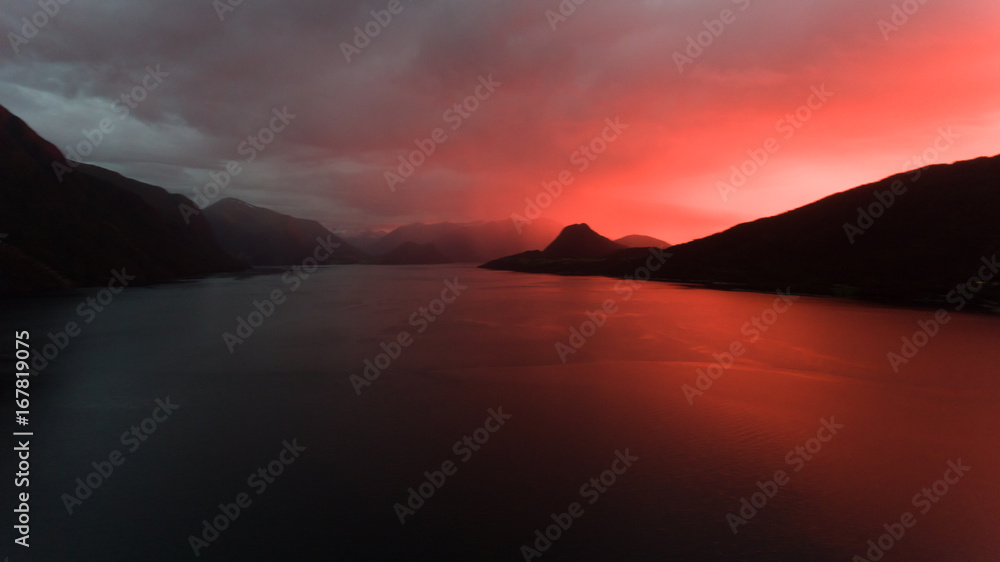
(700, 86)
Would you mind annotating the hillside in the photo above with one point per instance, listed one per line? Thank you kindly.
(262, 237)
(910, 237)
(71, 227)
(929, 235)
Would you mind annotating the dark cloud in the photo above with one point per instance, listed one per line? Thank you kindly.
(354, 119)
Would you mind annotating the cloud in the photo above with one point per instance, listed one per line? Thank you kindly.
(354, 119)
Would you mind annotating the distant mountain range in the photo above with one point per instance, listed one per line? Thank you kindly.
(639, 241)
(362, 240)
(470, 242)
(262, 237)
(411, 253)
(67, 224)
(912, 237)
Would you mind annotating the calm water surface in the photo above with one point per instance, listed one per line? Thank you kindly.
(495, 347)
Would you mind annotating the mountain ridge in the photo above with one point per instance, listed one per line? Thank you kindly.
(68, 227)
(265, 237)
(910, 237)
(474, 242)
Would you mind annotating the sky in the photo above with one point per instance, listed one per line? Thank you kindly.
(671, 118)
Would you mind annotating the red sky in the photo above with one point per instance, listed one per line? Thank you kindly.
(895, 93)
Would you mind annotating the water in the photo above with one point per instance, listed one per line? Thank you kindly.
(495, 347)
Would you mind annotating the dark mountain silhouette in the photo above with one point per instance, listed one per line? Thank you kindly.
(914, 245)
(411, 253)
(190, 229)
(923, 241)
(639, 241)
(262, 237)
(579, 241)
(77, 231)
(578, 250)
(472, 242)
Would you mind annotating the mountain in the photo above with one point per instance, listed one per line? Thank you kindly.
(362, 239)
(262, 237)
(189, 229)
(578, 250)
(472, 242)
(579, 241)
(411, 253)
(639, 241)
(913, 235)
(910, 237)
(70, 225)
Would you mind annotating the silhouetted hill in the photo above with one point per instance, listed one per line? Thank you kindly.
(914, 244)
(75, 232)
(639, 241)
(925, 239)
(262, 237)
(472, 242)
(190, 229)
(411, 253)
(578, 250)
(579, 241)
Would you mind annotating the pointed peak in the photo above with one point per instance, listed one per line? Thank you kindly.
(580, 241)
